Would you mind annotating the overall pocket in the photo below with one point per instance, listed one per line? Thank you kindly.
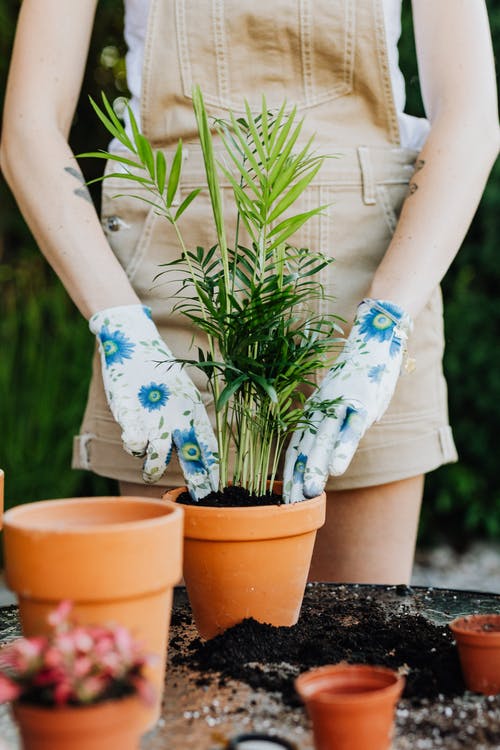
(231, 48)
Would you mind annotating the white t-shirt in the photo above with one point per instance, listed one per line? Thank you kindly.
(413, 130)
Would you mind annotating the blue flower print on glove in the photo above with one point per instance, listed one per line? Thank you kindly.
(152, 398)
(192, 454)
(355, 393)
(116, 346)
(299, 468)
(379, 324)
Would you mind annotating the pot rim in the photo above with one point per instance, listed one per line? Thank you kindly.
(18, 518)
(468, 628)
(255, 522)
(304, 684)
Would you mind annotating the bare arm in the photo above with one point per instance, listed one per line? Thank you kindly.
(44, 81)
(458, 85)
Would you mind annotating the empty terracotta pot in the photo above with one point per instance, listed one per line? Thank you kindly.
(116, 558)
(248, 562)
(478, 642)
(113, 725)
(351, 706)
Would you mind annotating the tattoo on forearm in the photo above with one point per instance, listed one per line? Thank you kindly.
(413, 187)
(81, 192)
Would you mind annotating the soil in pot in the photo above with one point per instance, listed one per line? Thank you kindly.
(232, 497)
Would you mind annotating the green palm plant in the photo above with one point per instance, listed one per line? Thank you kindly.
(254, 302)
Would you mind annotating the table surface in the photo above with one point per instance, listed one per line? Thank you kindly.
(204, 716)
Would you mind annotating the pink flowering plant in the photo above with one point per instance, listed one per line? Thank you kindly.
(74, 665)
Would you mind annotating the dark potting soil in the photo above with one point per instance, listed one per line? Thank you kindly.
(355, 629)
(232, 497)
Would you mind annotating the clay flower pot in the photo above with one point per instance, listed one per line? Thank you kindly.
(478, 643)
(116, 558)
(113, 725)
(248, 562)
(351, 706)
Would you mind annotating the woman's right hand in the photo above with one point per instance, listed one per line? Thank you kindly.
(153, 400)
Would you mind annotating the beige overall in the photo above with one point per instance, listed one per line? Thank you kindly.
(329, 58)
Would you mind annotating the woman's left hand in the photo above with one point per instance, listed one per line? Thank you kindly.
(355, 393)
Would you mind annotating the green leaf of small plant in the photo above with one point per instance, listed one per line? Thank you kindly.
(175, 173)
(161, 171)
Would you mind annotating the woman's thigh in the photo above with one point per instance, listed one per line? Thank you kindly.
(370, 534)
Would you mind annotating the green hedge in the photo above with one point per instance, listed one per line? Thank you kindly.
(45, 346)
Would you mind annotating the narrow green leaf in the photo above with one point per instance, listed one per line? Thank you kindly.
(256, 141)
(106, 121)
(175, 173)
(108, 156)
(283, 132)
(264, 122)
(276, 126)
(287, 227)
(294, 193)
(247, 177)
(247, 150)
(267, 387)
(187, 202)
(161, 171)
(229, 391)
(146, 154)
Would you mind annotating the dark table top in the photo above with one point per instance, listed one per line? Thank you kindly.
(204, 716)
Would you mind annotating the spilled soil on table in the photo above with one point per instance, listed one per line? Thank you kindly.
(355, 629)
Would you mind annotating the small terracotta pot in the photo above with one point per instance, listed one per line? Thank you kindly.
(478, 643)
(351, 706)
(248, 562)
(116, 558)
(113, 725)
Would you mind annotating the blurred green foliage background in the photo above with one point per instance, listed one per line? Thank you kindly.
(45, 346)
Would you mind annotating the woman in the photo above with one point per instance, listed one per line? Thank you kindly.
(392, 244)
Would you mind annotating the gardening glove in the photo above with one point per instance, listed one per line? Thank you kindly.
(153, 400)
(355, 393)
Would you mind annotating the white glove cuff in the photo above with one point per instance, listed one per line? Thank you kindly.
(122, 314)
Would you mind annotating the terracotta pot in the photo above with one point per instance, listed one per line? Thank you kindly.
(351, 705)
(478, 643)
(113, 725)
(248, 562)
(116, 559)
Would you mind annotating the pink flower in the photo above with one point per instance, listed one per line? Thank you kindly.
(60, 615)
(9, 691)
(76, 664)
(82, 666)
(63, 691)
(88, 689)
(53, 657)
